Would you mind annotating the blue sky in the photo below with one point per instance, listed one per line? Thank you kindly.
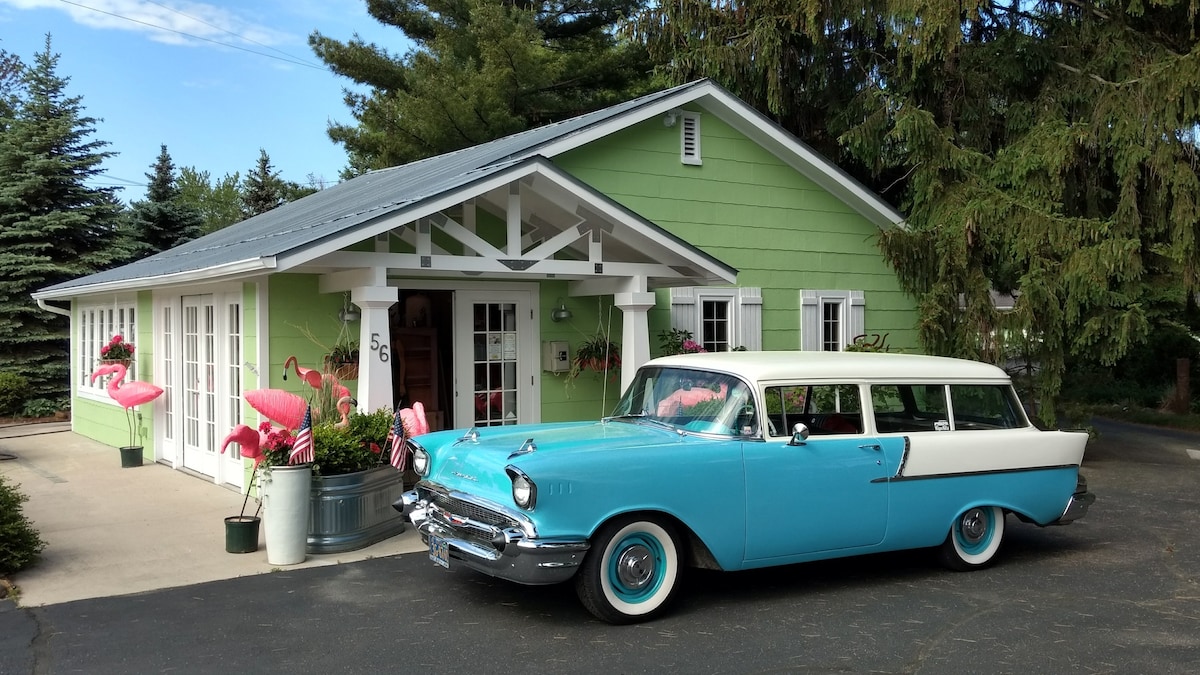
(154, 73)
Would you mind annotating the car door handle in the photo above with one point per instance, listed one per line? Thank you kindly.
(870, 446)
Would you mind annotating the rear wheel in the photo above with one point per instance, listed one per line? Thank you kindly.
(974, 539)
(631, 571)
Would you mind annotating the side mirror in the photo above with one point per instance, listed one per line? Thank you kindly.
(799, 434)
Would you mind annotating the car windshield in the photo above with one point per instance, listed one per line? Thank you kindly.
(691, 400)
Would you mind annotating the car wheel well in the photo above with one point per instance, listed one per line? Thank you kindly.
(695, 553)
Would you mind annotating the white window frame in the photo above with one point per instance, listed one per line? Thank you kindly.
(745, 315)
(96, 323)
(852, 317)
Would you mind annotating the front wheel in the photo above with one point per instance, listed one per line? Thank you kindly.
(974, 539)
(630, 572)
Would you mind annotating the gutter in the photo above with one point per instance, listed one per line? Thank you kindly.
(41, 302)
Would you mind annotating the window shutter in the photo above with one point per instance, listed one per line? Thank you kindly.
(858, 315)
(810, 321)
(749, 319)
(689, 131)
(683, 309)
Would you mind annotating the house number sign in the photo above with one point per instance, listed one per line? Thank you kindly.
(377, 346)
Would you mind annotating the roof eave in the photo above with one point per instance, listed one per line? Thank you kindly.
(226, 272)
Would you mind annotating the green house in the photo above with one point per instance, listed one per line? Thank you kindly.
(471, 280)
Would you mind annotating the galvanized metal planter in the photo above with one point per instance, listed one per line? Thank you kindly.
(354, 510)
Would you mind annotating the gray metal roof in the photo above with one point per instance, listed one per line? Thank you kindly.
(351, 203)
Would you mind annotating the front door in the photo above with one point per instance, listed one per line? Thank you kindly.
(494, 358)
(829, 493)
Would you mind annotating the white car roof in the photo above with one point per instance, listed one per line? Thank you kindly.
(844, 366)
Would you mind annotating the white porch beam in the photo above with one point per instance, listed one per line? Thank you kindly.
(344, 280)
(410, 262)
(468, 238)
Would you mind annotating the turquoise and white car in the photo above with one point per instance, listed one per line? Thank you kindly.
(739, 460)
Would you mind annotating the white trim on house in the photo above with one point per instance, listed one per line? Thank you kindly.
(217, 274)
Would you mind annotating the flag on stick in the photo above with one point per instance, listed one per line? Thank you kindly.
(302, 449)
(396, 438)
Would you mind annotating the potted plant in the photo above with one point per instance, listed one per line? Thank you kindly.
(117, 351)
(342, 360)
(353, 484)
(596, 353)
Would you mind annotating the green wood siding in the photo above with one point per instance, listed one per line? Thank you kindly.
(751, 211)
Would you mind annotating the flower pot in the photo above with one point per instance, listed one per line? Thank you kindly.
(241, 534)
(354, 510)
(131, 455)
(285, 493)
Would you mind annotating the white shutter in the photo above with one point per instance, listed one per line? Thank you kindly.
(749, 319)
(857, 316)
(810, 321)
(683, 310)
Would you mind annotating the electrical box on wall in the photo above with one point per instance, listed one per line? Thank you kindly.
(556, 356)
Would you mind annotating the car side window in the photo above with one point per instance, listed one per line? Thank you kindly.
(826, 409)
(904, 408)
(979, 406)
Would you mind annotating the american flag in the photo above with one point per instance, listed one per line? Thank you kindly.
(302, 449)
(395, 439)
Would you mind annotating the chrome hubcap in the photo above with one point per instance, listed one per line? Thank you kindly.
(635, 567)
(974, 526)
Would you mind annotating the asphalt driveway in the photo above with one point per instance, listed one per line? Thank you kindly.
(1117, 592)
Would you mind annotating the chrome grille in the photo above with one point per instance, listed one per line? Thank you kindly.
(467, 509)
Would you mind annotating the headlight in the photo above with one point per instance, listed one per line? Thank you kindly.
(420, 461)
(523, 489)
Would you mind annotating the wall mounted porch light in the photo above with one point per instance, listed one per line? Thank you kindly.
(561, 312)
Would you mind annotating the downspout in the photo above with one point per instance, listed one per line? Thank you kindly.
(41, 302)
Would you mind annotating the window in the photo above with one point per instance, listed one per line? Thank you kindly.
(720, 319)
(830, 320)
(979, 406)
(96, 326)
(909, 407)
(826, 409)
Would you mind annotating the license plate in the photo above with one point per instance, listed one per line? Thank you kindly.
(439, 551)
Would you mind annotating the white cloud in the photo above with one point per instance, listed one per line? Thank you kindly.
(170, 22)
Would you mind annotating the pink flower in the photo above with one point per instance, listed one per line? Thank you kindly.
(692, 347)
(104, 350)
(117, 339)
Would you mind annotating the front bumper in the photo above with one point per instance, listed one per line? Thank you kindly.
(489, 538)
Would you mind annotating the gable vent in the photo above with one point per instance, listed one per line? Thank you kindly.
(689, 132)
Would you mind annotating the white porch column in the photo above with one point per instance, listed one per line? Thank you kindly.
(374, 346)
(635, 333)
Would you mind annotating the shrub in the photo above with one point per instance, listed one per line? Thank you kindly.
(20, 544)
(13, 391)
(40, 407)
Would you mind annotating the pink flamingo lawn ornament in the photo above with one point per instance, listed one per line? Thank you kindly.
(282, 407)
(249, 439)
(344, 405)
(315, 378)
(128, 394)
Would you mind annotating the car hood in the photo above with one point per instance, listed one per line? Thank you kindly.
(476, 466)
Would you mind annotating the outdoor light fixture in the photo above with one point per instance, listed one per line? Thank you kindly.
(561, 312)
(672, 116)
(348, 313)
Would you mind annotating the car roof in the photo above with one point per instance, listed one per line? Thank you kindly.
(847, 366)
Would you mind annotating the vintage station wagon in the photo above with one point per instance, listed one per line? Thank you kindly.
(740, 460)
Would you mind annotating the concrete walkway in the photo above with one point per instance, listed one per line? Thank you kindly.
(113, 531)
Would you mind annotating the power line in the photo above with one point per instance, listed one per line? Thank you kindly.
(291, 60)
(226, 30)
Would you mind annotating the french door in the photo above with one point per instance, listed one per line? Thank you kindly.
(201, 361)
(494, 357)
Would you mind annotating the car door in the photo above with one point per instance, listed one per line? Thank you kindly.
(829, 492)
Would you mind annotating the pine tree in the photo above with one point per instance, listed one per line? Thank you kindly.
(262, 190)
(482, 69)
(53, 227)
(219, 202)
(163, 220)
(1047, 149)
